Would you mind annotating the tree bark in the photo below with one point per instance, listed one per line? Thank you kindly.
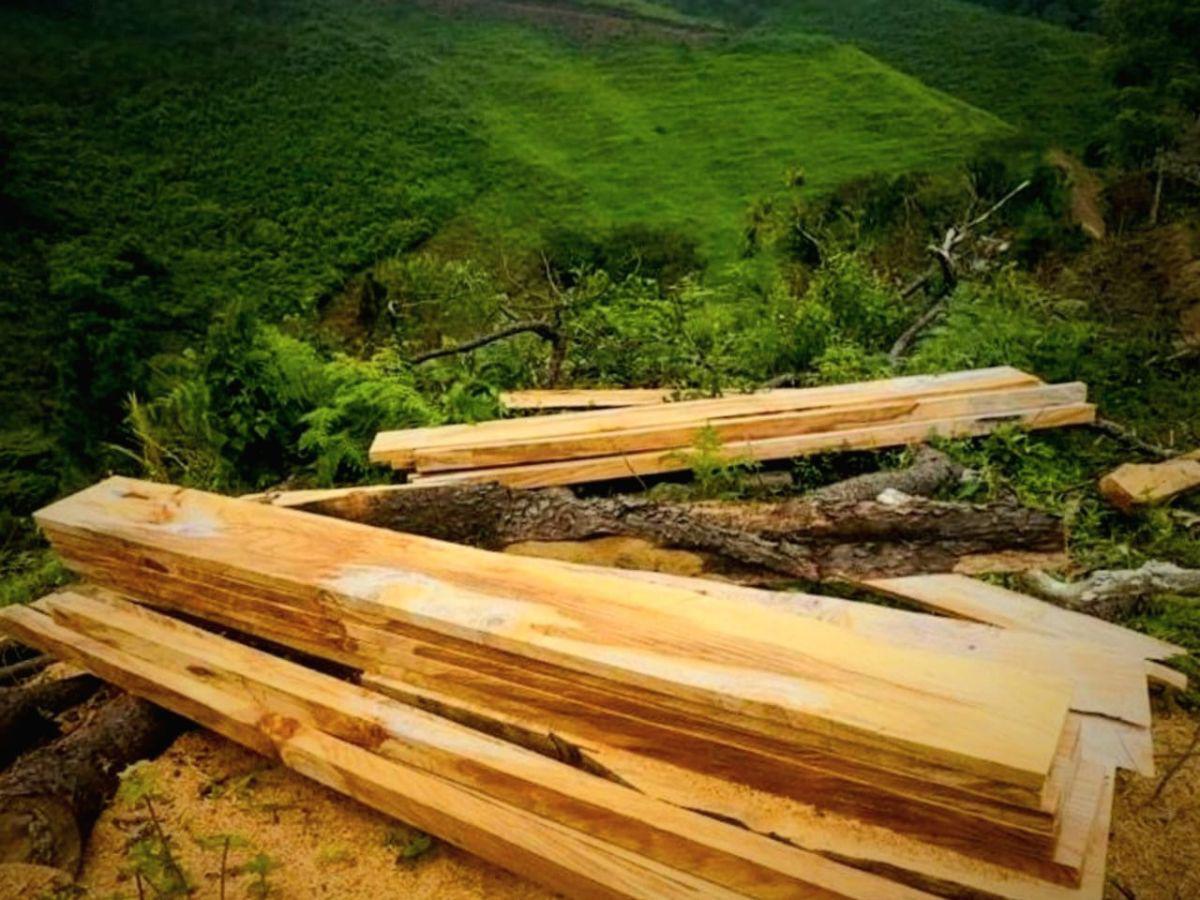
(931, 470)
(812, 539)
(50, 798)
(27, 713)
(1116, 593)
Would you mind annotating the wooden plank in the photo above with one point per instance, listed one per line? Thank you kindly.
(995, 721)
(395, 447)
(1166, 676)
(510, 836)
(747, 428)
(539, 722)
(969, 598)
(585, 398)
(1104, 682)
(866, 438)
(714, 851)
(1139, 484)
(687, 734)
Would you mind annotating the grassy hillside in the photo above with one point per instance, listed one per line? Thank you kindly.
(1040, 77)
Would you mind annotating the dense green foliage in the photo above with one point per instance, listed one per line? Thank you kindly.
(1154, 59)
(231, 230)
(1080, 14)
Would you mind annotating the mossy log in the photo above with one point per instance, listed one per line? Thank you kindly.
(51, 797)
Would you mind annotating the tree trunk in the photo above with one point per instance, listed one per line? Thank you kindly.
(812, 539)
(27, 713)
(50, 798)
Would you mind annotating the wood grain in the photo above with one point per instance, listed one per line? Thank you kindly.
(714, 851)
(746, 428)
(396, 447)
(998, 722)
(1140, 484)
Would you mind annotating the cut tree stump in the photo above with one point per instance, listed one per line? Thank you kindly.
(812, 539)
(27, 712)
(50, 798)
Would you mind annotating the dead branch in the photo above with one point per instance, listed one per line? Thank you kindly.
(1120, 433)
(1114, 593)
(544, 330)
(947, 265)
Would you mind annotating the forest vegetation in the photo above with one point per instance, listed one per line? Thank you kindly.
(236, 236)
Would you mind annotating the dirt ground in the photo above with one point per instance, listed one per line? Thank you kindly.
(291, 838)
(318, 843)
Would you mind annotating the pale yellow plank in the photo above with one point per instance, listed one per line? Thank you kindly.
(634, 465)
(800, 672)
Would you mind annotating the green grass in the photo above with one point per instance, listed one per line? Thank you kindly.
(687, 137)
(1034, 75)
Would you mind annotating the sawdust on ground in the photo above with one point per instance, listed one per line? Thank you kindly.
(321, 844)
(1155, 849)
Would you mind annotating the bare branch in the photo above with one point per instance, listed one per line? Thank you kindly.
(542, 329)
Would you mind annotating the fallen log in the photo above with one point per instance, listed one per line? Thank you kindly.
(27, 712)
(1112, 594)
(50, 798)
(808, 538)
(931, 470)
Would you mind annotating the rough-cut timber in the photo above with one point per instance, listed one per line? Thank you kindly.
(27, 712)
(640, 845)
(497, 451)
(642, 464)
(1135, 484)
(969, 598)
(50, 798)
(396, 448)
(806, 538)
(161, 543)
(585, 398)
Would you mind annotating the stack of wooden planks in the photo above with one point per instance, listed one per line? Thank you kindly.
(611, 733)
(649, 439)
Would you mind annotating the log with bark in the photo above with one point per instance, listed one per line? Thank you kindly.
(50, 798)
(27, 712)
(1114, 593)
(812, 539)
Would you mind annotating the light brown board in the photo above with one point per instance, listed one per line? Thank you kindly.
(395, 447)
(969, 598)
(714, 851)
(634, 465)
(1135, 484)
(681, 437)
(807, 674)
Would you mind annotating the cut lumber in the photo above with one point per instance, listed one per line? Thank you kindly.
(27, 712)
(637, 465)
(643, 845)
(396, 448)
(585, 398)
(803, 538)
(809, 676)
(968, 598)
(1138, 484)
(739, 429)
(50, 798)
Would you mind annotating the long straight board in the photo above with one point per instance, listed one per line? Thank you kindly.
(757, 663)
(724, 855)
(634, 465)
(749, 428)
(396, 447)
